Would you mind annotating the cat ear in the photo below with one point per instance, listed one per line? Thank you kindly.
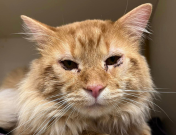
(134, 23)
(37, 31)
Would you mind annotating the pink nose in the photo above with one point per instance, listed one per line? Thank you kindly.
(95, 90)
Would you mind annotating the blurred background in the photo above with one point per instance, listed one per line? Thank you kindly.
(160, 50)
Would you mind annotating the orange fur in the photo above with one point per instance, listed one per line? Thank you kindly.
(120, 109)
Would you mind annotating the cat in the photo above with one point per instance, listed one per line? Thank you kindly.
(91, 79)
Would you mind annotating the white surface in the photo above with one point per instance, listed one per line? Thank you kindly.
(8, 105)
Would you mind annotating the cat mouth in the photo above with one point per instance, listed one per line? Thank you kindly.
(94, 106)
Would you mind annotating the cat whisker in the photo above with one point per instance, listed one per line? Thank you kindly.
(139, 104)
(50, 98)
(47, 119)
(48, 110)
(118, 108)
(46, 103)
(67, 107)
(155, 88)
(126, 7)
(24, 122)
(153, 104)
(68, 119)
(78, 108)
(151, 91)
(32, 117)
(125, 100)
(58, 103)
(56, 95)
(138, 94)
(160, 88)
(41, 34)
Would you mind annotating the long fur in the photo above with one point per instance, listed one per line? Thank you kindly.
(53, 100)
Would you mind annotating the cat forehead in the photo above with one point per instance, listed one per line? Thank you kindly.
(85, 30)
(88, 39)
(87, 25)
(85, 36)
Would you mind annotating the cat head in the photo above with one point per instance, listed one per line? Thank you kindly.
(92, 63)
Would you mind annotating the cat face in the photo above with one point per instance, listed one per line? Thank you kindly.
(92, 63)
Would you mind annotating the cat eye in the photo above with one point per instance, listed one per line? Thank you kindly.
(113, 60)
(69, 65)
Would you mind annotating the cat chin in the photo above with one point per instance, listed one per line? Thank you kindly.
(95, 111)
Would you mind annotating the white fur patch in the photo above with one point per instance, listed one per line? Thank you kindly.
(8, 108)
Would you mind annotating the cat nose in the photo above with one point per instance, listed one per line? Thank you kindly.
(95, 90)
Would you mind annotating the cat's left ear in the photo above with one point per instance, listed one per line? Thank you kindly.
(134, 23)
(37, 31)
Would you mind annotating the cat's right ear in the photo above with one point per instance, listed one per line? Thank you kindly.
(37, 31)
(134, 23)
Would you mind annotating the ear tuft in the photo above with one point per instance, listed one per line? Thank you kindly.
(37, 31)
(134, 23)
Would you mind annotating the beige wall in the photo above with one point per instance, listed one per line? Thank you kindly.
(15, 52)
(163, 59)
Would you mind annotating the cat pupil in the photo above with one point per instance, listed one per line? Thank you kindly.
(112, 60)
(69, 65)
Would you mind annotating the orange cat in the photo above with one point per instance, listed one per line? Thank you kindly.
(90, 79)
